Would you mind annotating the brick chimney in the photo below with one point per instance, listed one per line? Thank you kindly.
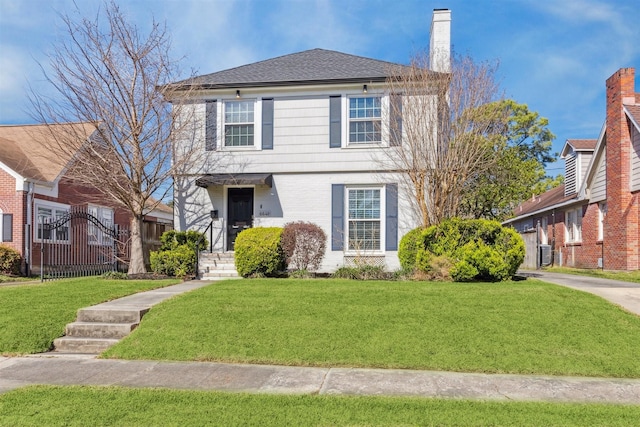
(440, 42)
(621, 224)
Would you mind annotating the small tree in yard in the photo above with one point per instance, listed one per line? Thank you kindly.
(465, 150)
(447, 138)
(304, 244)
(113, 78)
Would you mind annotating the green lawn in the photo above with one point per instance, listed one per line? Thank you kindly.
(511, 327)
(33, 315)
(95, 406)
(626, 276)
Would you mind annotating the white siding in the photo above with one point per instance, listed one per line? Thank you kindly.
(584, 159)
(599, 183)
(635, 159)
(295, 197)
(300, 142)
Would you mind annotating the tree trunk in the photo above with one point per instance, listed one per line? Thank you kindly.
(136, 263)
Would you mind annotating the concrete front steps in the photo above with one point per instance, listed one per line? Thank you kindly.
(97, 329)
(216, 266)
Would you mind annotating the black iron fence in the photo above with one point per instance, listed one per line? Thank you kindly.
(79, 244)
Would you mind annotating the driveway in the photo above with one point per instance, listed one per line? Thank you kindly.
(624, 294)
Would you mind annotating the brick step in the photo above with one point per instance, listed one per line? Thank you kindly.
(110, 315)
(99, 330)
(83, 345)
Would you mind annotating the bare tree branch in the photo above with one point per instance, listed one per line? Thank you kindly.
(447, 137)
(114, 79)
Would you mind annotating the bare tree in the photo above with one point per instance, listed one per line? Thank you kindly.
(447, 135)
(114, 79)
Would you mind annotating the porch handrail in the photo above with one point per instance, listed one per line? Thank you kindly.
(211, 243)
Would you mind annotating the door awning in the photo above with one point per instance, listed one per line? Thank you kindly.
(235, 179)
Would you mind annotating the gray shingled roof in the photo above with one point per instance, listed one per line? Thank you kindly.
(307, 67)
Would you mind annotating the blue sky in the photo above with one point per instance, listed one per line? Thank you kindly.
(554, 55)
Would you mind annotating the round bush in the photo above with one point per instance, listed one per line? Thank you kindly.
(10, 260)
(408, 249)
(258, 251)
(480, 249)
(179, 261)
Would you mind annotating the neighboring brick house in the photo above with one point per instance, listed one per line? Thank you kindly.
(592, 220)
(34, 188)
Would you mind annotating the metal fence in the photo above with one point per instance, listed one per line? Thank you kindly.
(79, 244)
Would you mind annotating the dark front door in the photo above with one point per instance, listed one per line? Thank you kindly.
(240, 213)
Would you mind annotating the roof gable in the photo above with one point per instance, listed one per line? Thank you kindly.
(576, 145)
(307, 67)
(25, 150)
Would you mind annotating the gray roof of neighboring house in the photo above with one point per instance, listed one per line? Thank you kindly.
(307, 67)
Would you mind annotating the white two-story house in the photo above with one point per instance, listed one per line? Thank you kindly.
(301, 137)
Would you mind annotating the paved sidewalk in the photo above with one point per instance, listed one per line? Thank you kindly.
(624, 294)
(66, 370)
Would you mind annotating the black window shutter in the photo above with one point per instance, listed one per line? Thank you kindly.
(391, 224)
(267, 123)
(7, 227)
(211, 126)
(337, 217)
(335, 121)
(395, 119)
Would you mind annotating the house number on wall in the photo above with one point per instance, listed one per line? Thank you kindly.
(265, 213)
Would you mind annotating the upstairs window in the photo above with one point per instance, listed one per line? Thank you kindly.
(238, 123)
(365, 120)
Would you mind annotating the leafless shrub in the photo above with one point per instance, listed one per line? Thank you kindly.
(304, 245)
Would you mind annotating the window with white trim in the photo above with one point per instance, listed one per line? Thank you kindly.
(6, 227)
(239, 123)
(364, 219)
(544, 235)
(573, 225)
(96, 234)
(48, 214)
(365, 120)
(602, 214)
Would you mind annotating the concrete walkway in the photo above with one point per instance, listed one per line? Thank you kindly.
(67, 369)
(624, 294)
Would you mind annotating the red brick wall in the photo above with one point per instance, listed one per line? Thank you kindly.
(621, 224)
(13, 202)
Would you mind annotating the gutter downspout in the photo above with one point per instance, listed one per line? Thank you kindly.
(553, 238)
(27, 230)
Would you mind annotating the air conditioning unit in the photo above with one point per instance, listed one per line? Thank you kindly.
(545, 255)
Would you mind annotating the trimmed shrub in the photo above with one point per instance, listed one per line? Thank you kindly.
(172, 239)
(178, 262)
(258, 251)
(470, 249)
(362, 272)
(177, 253)
(304, 245)
(408, 248)
(10, 261)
